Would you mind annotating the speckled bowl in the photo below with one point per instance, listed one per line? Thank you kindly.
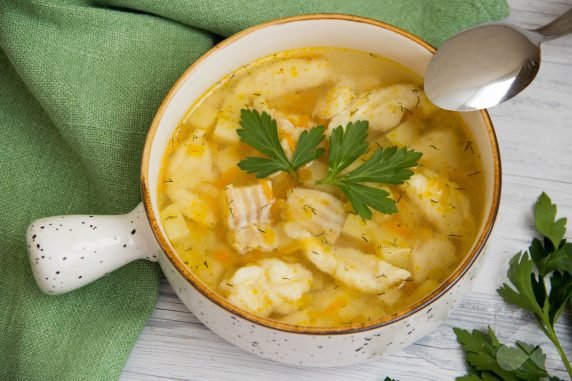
(68, 252)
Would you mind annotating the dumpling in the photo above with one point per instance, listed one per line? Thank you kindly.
(313, 213)
(355, 269)
(269, 286)
(383, 108)
(270, 81)
(440, 200)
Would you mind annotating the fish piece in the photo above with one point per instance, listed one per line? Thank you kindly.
(313, 213)
(269, 286)
(441, 201)
(355, 269)
(248, 217)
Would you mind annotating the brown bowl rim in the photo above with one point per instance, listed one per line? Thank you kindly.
(439, 292)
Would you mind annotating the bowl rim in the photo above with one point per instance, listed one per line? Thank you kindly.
(219, 300)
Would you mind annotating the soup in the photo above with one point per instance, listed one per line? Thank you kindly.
(287, 242)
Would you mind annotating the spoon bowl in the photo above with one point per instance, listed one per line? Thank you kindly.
(487, 65)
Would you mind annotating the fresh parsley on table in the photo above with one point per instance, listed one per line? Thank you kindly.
(541, 278)
(386, 166)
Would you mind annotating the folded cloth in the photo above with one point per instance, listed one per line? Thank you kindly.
(80, 81)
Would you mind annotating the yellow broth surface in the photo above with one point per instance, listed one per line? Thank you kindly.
(292, 250)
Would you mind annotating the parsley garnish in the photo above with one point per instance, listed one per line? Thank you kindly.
(261, 132)
(386, 166)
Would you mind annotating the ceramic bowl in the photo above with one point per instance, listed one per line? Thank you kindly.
(68, 252)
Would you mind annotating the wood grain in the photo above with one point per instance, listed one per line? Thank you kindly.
(535, 134)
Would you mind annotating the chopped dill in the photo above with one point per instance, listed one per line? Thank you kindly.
(310, 208)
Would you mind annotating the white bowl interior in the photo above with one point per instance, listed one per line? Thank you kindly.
(298, 34)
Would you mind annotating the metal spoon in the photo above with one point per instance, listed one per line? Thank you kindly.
(489, 64)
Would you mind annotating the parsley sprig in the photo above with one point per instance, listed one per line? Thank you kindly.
(386, 166)
(541, 278)
(489, 359)
(261, 132)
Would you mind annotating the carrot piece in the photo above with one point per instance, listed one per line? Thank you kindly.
(226, 177)
(222, 256)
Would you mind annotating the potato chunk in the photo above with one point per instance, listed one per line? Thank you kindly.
(248, 217)
(313, 213)
(355, 269)
(174, 223)
(270, 286)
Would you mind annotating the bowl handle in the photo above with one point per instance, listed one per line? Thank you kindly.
(68, 252)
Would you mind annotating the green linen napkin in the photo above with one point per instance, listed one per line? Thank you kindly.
(79, 83)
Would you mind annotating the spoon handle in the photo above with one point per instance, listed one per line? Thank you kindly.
(557, 28)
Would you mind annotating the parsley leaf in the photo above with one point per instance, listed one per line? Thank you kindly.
(489, 359)
(306, 148)
(386, 166)
(480, 351)
(520, 274)
(548, 261)
(362, 196)
(260, 131)
(263, 167)
(346, 145)
(546, 223)
(560, 293)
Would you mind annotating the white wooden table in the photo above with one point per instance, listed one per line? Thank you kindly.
(535, 133)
